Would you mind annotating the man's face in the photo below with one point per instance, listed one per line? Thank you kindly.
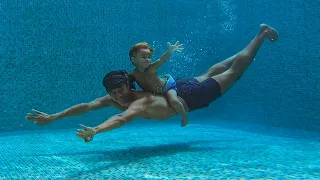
(142, 58)
(120, 94)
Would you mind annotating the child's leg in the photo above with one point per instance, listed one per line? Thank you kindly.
(177, 105)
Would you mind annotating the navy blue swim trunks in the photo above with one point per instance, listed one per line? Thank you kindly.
(198, 95)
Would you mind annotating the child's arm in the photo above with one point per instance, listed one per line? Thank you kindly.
(171, 48)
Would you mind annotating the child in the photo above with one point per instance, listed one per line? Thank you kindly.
(147, 77)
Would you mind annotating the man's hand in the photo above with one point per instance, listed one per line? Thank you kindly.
(176, 47)
(40, 118)
(87, 133)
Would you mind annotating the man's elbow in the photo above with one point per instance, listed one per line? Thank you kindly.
(122, 120)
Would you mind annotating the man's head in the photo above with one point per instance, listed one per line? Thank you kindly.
(118, 84)
(140, 55)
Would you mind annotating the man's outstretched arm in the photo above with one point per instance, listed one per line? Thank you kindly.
(43, 118)
(114, 122)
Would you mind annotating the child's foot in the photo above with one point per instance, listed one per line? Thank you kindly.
(184, 121)
(270, 33)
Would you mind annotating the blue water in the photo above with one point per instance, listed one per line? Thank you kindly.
(150, 152)
(54, 54)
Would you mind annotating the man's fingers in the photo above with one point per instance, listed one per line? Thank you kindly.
(83, 126)
(36, 111)
(28, 117)
(80, 130)
(31, 119)
(39, 112)
(87, 139)
(79, 135)
(32, 116)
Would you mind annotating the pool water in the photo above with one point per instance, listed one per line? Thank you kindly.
(160, 152)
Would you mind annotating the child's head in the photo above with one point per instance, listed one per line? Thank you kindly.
(140, 55)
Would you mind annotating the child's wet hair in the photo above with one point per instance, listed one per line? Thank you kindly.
(142, 45)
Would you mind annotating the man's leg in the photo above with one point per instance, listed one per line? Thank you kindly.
(242, 59)
(217, 69)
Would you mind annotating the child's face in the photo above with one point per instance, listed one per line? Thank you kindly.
(142, 58)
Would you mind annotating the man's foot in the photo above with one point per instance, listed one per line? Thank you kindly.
(270, 33)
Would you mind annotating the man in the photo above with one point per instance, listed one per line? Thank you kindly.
(194, 93)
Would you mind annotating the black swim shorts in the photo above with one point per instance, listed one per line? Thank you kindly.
(198, 95)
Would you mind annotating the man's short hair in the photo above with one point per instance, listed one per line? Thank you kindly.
(116, 79)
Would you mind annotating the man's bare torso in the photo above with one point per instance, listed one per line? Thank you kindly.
(152, 106)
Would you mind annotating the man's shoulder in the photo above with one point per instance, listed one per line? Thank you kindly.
(145, 98)
(106, 100)
(147, 95)
(142, 96)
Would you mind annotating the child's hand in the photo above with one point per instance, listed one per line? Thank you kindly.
(176, 47)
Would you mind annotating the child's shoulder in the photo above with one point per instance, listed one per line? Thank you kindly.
(135, 72)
